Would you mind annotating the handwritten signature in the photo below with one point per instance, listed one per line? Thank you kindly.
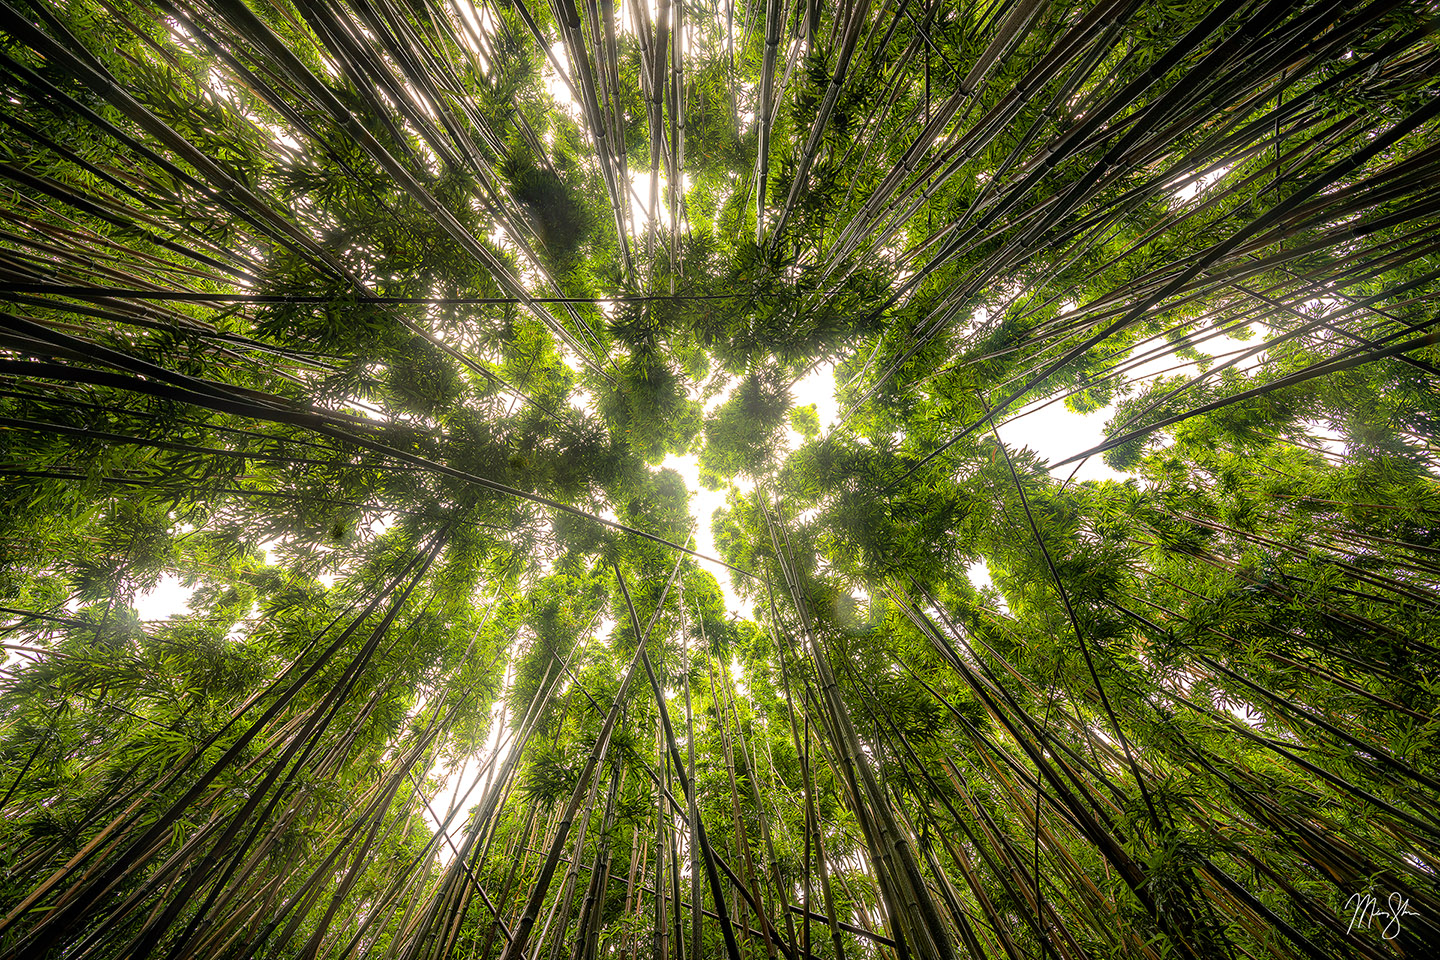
(1366, 910)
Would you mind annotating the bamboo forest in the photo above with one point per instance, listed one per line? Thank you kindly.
(738, 479)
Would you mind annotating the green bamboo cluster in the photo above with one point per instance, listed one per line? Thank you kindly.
(373, 328)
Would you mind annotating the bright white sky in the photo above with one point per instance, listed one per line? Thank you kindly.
(465, 781)
(169, 597)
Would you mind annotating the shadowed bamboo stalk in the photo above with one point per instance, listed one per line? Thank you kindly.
(515, 948)
(908, 891)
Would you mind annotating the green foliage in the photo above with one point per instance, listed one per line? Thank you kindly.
(350, 326)
(742, 436)
(560, 220)
(649, 407)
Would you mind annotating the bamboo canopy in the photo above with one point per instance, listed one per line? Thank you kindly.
(365, 366)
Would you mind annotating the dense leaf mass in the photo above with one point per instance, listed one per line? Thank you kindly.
(363, 361)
